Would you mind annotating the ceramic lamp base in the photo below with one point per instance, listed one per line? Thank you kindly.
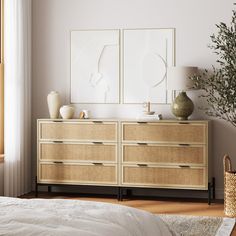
(182, 107)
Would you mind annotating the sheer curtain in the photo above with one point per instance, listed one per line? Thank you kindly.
(17, 103)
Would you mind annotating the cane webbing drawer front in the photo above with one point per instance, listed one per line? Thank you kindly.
(78, 152)
(165, 154)
(174, 177)
(151, 153)
(74, 173)
(165, 132)
(105, 131)
(126, 153)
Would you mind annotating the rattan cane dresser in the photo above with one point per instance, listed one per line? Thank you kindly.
(124, 153)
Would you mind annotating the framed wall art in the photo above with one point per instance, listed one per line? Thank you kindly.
(146, 55)
(95, 66)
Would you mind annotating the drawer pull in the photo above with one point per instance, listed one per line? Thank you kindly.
(184, 123)
(184, 144)
(97, 142)
(184, 166)
(142, 122)
(142, 165)
(58, 162)
(97, 163)
(58, 141)
(142, 143)
(57, 120)
(97, 121)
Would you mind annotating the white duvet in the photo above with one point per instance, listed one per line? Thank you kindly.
(73, 217)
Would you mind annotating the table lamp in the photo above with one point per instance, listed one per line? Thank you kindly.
(178, 80)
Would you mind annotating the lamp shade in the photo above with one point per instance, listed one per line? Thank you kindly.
(178, 77)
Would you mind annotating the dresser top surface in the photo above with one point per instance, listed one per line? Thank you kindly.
(123, 120)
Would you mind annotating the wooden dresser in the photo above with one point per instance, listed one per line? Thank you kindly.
(125, 153)
(74, 152)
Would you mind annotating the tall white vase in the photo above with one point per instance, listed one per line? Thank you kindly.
(54, 103)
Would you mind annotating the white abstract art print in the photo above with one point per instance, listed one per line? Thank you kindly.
(147, 54)
(95, 66)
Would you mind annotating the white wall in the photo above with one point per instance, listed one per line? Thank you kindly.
(194, 22)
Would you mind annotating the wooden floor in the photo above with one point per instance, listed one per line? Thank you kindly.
(160, 206)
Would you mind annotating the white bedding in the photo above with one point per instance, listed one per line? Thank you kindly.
(73, 217)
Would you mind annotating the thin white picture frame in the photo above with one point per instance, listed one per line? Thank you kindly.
(83, 89)
(123, 77)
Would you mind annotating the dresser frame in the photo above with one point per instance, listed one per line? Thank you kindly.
(120, 142)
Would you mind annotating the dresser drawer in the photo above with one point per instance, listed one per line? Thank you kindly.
(165, 132)
(77, 173)
(106, 131)
(171, 177)
(78, 152)
(164, 154)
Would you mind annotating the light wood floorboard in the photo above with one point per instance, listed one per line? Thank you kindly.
(167, 206)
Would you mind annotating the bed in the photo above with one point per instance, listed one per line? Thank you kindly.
(74, 217)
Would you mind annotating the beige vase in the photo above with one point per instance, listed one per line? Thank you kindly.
(54, 103)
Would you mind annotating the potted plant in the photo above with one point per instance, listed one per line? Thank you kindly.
(219, 86)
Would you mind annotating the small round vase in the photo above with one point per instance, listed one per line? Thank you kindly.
(54, 103)
(67, 112)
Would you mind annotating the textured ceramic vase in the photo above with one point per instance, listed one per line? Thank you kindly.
(182, 107)
(67, 112)
(54, 104)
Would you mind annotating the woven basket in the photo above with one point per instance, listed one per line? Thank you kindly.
(230, 188)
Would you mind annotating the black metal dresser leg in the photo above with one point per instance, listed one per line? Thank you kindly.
(209, 193)
(213, 188)
(49, 189)
(121, 194)
(118, 194)
(36, 187)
